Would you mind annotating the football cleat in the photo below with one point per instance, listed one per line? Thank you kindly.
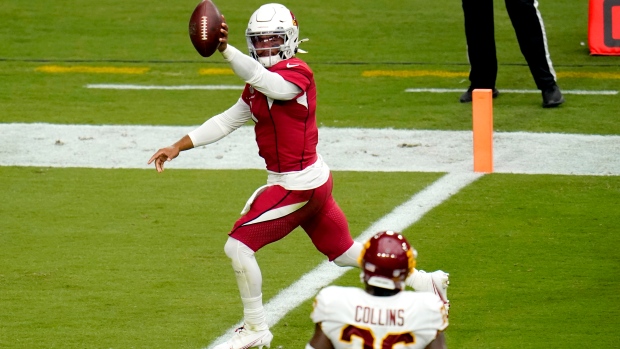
(245, 338)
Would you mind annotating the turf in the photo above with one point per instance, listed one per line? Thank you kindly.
(83, 268)
(347, 39)
(536, 258)
(132, 259)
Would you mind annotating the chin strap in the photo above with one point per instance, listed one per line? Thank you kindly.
(300, 50)
(270, 61)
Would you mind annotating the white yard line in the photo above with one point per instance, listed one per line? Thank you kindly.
(566, 92)
(325, 273)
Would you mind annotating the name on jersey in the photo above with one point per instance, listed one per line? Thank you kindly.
(379, 316)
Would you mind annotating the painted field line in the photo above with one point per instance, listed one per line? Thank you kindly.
(452, 74)
(90, 69)
(216, 71)
(163, 87)
(588, 75)
(325, 273)
(566, 92)
(414, 73)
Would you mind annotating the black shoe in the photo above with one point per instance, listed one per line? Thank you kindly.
(466, 96)
(552, 97)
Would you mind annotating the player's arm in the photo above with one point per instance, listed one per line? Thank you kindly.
(211, 131)
(221, 125)
(438, 343)
(270, 84)
(319, 340)
(170, 152)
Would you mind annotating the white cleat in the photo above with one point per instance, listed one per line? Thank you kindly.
(245, 338)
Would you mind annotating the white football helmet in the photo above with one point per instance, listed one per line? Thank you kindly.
(270, 23)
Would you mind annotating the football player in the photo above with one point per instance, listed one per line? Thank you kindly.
(383, 315)
(280, 98)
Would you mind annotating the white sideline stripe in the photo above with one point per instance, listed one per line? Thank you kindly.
(325, 273)
(162, 87)
(240, 87)
(344, 149)
(566, 92)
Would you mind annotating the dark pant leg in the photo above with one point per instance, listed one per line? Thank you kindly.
(480, 36)
(530, 31)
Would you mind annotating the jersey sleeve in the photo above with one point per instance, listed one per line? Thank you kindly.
(253, 73)
(321, 305)
(437, 316)
(297, 72)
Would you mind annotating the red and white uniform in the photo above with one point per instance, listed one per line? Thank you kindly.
(353, 319)
(286, 130)
(282, 102)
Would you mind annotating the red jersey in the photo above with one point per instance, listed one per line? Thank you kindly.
(286, 130)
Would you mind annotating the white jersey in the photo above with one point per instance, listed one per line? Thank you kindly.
(353, 319)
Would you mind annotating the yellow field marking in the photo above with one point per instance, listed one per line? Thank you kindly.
(216, 71)
(87, 69)
(413, 73)
(602, 76)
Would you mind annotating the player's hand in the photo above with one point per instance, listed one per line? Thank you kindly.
(163, 155)
(223, 36)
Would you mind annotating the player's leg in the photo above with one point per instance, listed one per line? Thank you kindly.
(255, 331)
(249, 282)
(329, 231)
(272, 215)
(350, 257)
(328, 228)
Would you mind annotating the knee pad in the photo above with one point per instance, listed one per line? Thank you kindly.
(235, 248)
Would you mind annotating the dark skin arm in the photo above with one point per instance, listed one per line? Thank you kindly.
(223, 36)
(438, 343)
(319, 340)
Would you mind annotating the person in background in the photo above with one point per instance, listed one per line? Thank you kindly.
(530, 30)
(382, 314)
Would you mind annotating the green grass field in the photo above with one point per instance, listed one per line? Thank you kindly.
(93, 258)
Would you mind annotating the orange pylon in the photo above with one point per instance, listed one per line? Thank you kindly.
(482, 110)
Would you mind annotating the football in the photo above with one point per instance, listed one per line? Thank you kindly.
(204, 28)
